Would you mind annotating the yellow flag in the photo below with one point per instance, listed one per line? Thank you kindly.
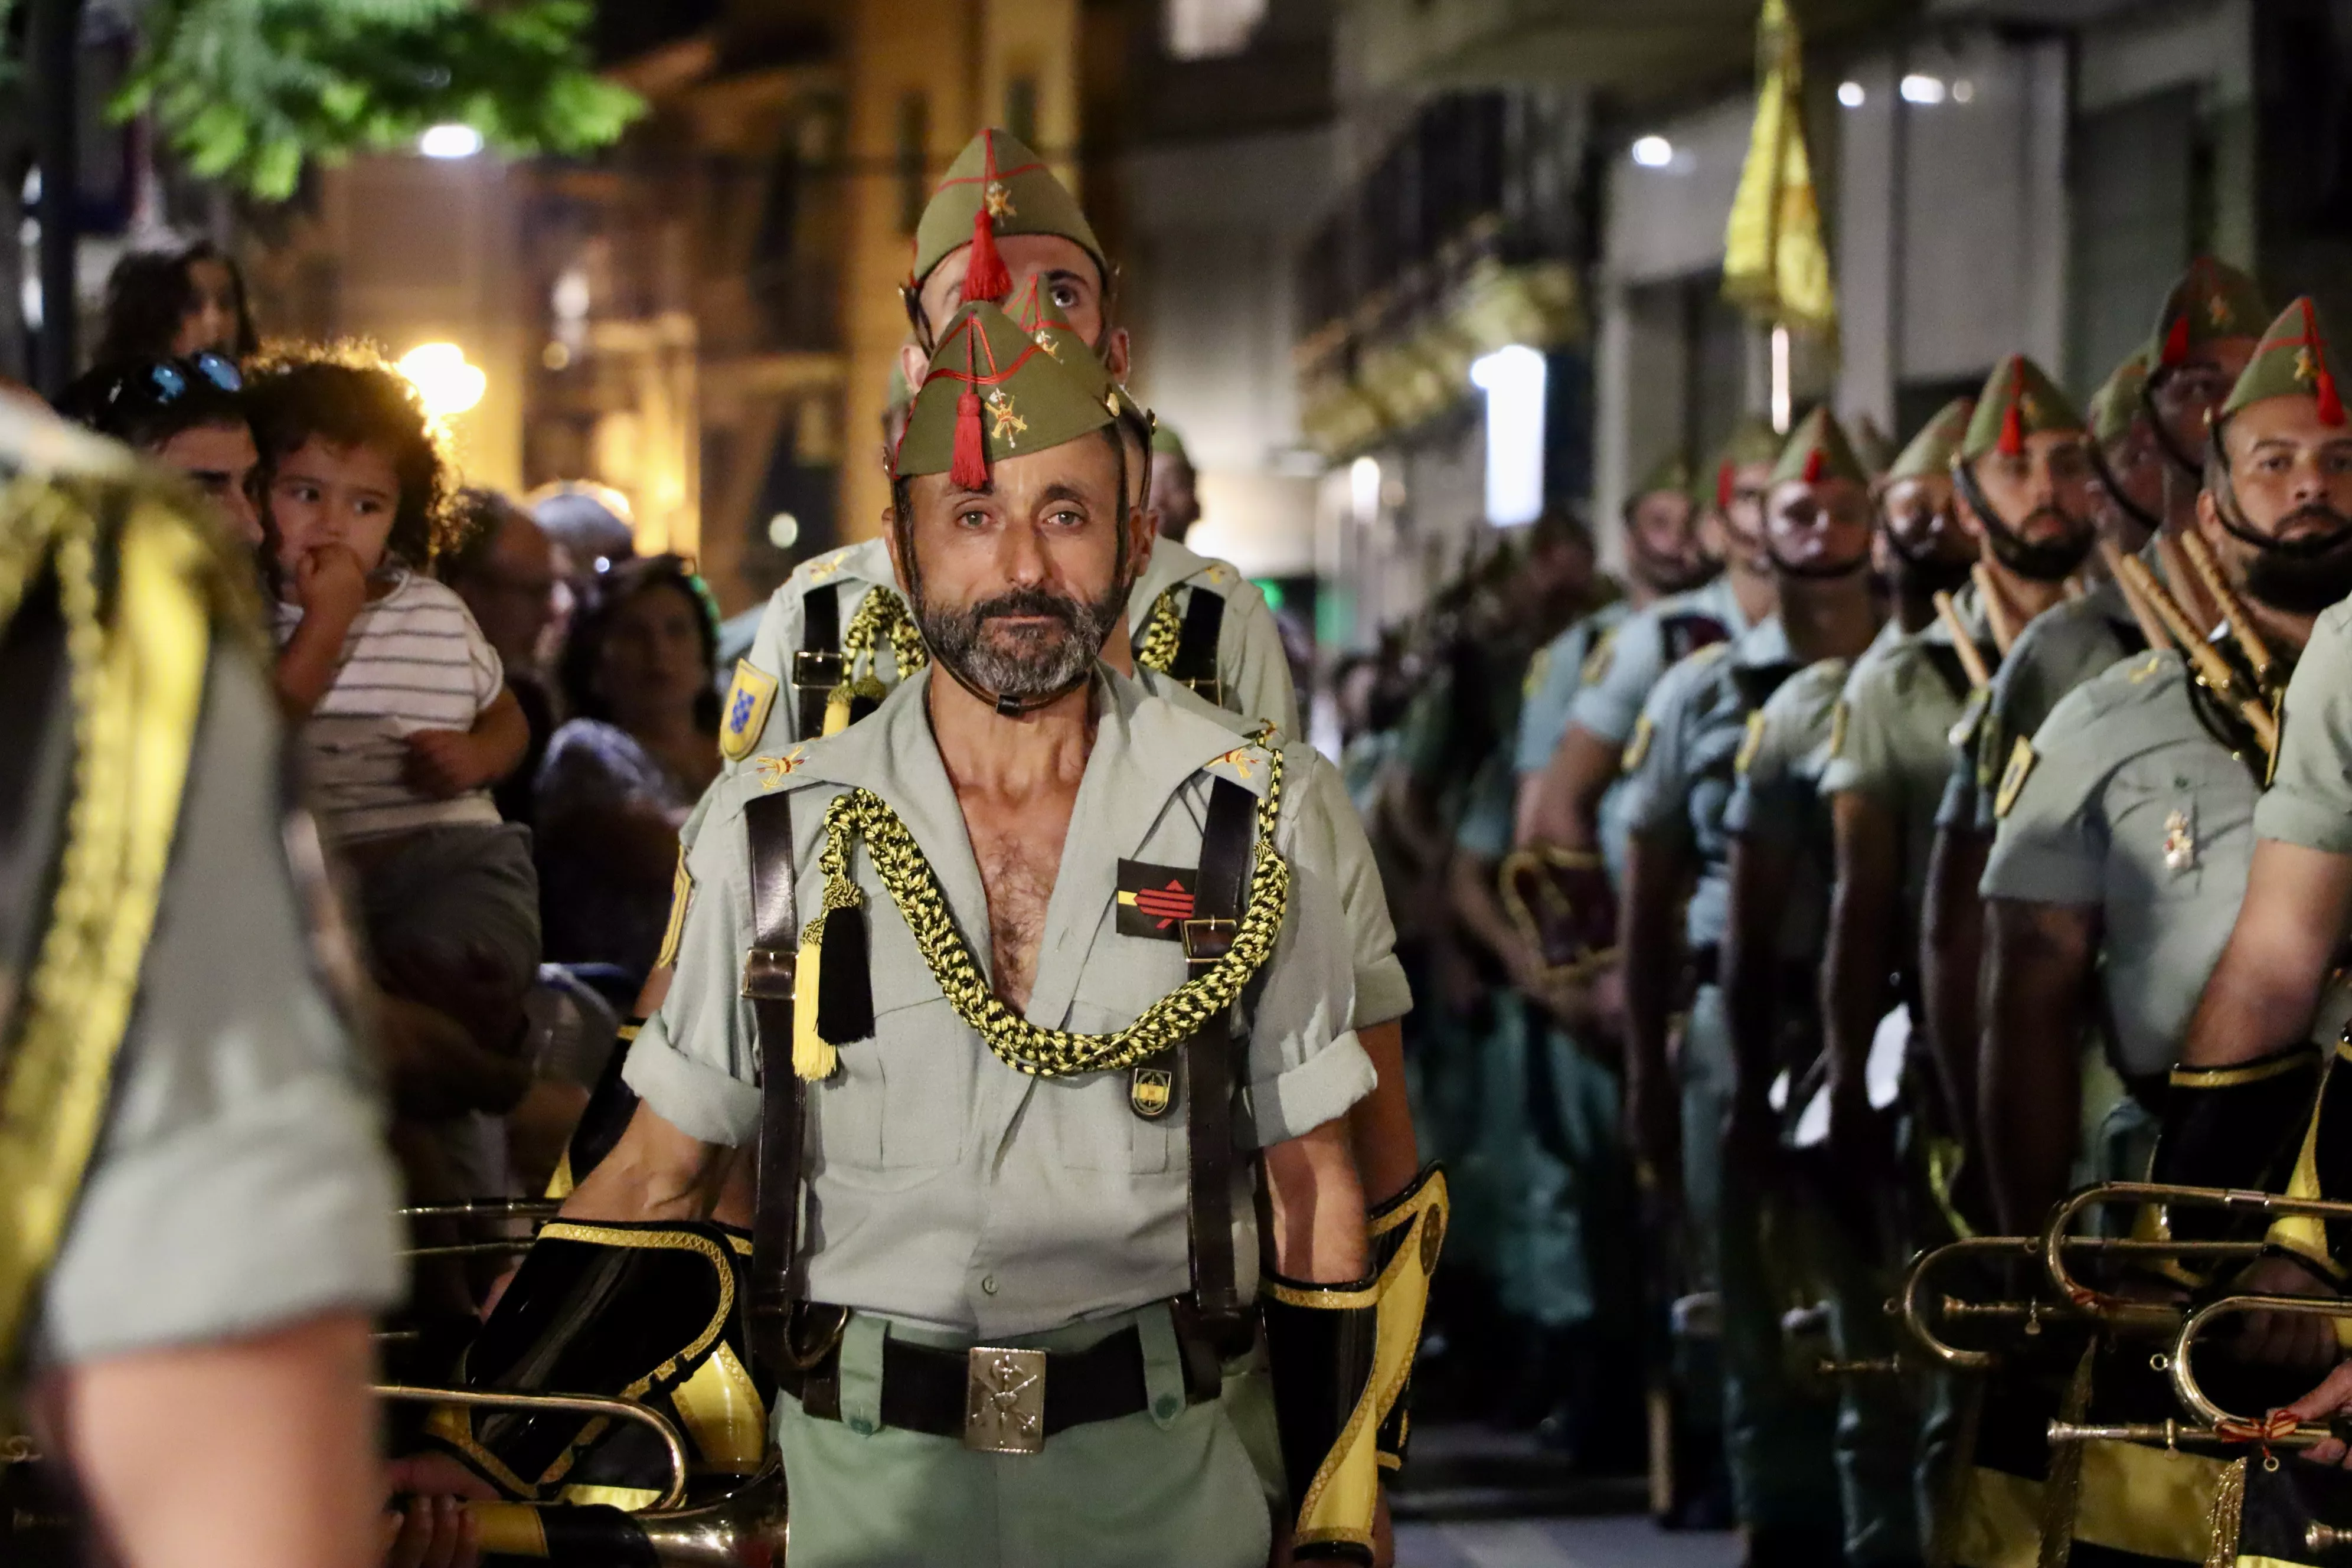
(1774, 263)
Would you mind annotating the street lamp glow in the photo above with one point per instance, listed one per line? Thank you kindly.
(1850, 93)
(1364, 489)
(450, 141)
(1917, 89)
(443, 379)
(1513, 380)
(1654, 152)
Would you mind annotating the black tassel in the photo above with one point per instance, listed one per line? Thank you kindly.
(844, 997)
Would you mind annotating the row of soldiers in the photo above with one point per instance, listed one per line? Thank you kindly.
(1976, 829)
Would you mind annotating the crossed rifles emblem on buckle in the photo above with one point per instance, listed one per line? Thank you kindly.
(1005, 1401)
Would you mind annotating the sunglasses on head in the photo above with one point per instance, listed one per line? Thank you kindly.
(157, 383)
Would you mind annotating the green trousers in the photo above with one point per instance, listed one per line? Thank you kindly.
(1176, 1488)
(1779, 1428)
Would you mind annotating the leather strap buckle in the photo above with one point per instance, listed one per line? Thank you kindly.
(768, 973)
(816, 668)
(1208, 938)
(1210, 689)
(1004, 1400)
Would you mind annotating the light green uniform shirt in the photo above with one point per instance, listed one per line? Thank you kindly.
(1777, 799)
(2310, 798)
(1555, 678)
(1893, 743)
(2131, 805)
(1680, 763)
(2058, 650)
(240, 1182)
(944, 1187)
(1644, 645)
(851, 571)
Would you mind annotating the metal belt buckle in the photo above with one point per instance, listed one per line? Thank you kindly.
(1005, 1401)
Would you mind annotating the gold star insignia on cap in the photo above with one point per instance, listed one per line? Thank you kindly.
(999, 199)
(2029, 406)
(1008, 425)
(2306, 368)
(2217, 311)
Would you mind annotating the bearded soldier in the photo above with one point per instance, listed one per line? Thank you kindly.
(2025, 485)
(200, 1212)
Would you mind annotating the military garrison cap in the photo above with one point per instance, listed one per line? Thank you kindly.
(1930, 452)
(1817, 452)
(2292, 360)
(996, 187)
(2018, 401)
(1670, 472)
(1165, 440)
(2212, 300)
(2116, 402)
(1752, 440)
(1871, 445)
(994, 393)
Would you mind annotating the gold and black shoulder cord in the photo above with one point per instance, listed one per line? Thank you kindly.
(880, 615)
(143, 593)
(832, 1001)
(1180, 641)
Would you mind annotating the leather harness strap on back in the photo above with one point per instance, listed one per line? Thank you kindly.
(1226, 842)
(1195, 661)
(816, 667)
(784, 1098)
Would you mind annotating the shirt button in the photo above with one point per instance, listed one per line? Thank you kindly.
(988, 1284)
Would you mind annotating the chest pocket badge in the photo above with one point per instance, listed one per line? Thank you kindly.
(1154, 901)
(2179, 842)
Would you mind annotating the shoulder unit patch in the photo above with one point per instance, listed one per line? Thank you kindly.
(749, 696)
(1638, 747)
(2021, 758)
(1749, 744)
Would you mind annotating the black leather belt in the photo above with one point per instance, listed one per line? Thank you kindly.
(995, 1399)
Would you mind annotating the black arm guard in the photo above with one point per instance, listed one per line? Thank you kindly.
(1341, 1357)
(2234, 1127)
(644, 1311)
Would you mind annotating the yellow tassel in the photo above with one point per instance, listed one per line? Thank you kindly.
(2228, 1517)
(836, 710)
(813, 1059)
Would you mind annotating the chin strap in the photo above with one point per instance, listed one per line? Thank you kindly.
(2014, 552)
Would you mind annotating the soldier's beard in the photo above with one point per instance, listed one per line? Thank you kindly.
(2043, 561)
(2303, 574)
(1030, 663)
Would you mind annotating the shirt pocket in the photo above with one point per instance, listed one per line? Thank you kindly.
(1093, 1119)
(903, 1100)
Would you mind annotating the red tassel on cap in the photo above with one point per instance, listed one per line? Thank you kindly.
(1817, 463)
(985, 279)
(2175, 341)
(2331, 404)
(1723, 478)
(2013, 429)
(969, 470)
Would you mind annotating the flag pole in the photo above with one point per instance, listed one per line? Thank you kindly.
(1782, 412)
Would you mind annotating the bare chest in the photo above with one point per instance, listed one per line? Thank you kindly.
(1019, 855)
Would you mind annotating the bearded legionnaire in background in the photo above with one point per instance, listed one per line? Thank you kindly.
(2132, 465)
(200, 1207)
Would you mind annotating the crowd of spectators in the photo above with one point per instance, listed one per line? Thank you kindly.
(499, 718)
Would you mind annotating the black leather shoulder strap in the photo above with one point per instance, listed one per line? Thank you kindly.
(816, 663)
(1226, 839)
(768, 982)
(1195, 663)
(1683, 635)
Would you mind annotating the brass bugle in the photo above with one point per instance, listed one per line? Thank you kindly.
(746, 1526)
(2192, 1394)
(1912, 1305)
(2177, 1433)
(2122, 1312)
(485, 1208)
(609, 1406)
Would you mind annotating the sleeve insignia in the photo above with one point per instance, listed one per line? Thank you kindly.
(681, 892)
(1749, 744)
(774, 771)
(749, 696)
(1638, 746)
(1537, 668)
(1242, 760)
(1596, 662)
(2021, 758)
(1837, 729)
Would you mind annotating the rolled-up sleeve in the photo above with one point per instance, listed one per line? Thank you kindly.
(2309, 802)
(1305, 1065)
(696, 1061)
